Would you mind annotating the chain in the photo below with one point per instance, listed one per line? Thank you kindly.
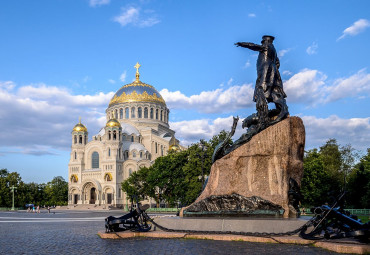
(258, 234)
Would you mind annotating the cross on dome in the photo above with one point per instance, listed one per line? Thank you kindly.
(137, 66)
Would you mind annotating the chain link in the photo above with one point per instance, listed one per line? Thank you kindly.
(258, 234)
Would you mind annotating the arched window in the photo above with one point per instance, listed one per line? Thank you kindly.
(116, 114)
(114, 135)
(134, 154)
(156, 114)
(126, 154)
(85, 139)
(80, 139)
(75, 155)
(161, 115)
(146, 112)
(141, 154)
(139, 112)
(129, 172)
(121, 113)
(151, 113)
(161, 150)
(109, 135)
(95, 160)
(133, 112)
(127, 113)
(132, 138)
(156, 148)
(108, 152)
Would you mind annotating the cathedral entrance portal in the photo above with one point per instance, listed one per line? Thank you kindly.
(109, 198)
(75, 199)
(91, 192)
(92, 196)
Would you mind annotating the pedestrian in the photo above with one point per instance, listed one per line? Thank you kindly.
(48, 209)
(33, 209)
(38, 209)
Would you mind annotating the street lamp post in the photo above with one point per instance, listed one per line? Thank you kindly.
(13, 188)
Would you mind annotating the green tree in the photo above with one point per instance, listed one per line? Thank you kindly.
(359, 184)
(56, 191)
(316, 181)
(332, 163)
(136, 185)
(176, 177)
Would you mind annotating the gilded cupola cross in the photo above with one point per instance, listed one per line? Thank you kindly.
(137, 66)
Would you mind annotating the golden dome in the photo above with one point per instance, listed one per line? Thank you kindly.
(137, 91)
(79, 127)
(175, 147)
(113, 123)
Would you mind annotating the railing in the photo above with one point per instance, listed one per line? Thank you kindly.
(163, 209)
(365, 212)
(359, 212)
(9, 208)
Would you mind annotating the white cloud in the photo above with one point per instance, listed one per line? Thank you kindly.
(134, 16)
(123, 76)
(230, 81)
(251, 15)
(287, 72)
(37, 119)
(86, 78)
(356, 28)
(312, 49)
(191, 131)
(305, 86)
(283, 52)
(7, 85)
(247, 64)
(112, 81)
(95, 3)
(219, 100)
(310, 87)
(355, 85)
(354, 131)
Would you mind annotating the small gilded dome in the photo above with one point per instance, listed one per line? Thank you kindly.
(175, 147)
(113, 123)
(79, 127)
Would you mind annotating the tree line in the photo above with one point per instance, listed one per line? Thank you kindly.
(52, 193)
(176, 179)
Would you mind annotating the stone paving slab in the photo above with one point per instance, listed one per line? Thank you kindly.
(336, 246)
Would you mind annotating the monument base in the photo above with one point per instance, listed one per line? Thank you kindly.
(262, 176)
(233, 205)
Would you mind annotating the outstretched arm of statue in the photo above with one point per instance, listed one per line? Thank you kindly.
(250, 46)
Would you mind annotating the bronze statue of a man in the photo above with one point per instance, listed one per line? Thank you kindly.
(269, 86)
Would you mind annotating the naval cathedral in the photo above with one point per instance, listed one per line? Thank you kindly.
(136, 133)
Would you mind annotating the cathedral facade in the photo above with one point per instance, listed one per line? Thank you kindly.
(135, 134)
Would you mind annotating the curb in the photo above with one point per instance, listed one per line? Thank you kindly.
(337, 246)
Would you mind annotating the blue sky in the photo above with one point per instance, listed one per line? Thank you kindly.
(63, 59)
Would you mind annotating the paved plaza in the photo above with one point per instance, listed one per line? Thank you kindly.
(73, 232)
